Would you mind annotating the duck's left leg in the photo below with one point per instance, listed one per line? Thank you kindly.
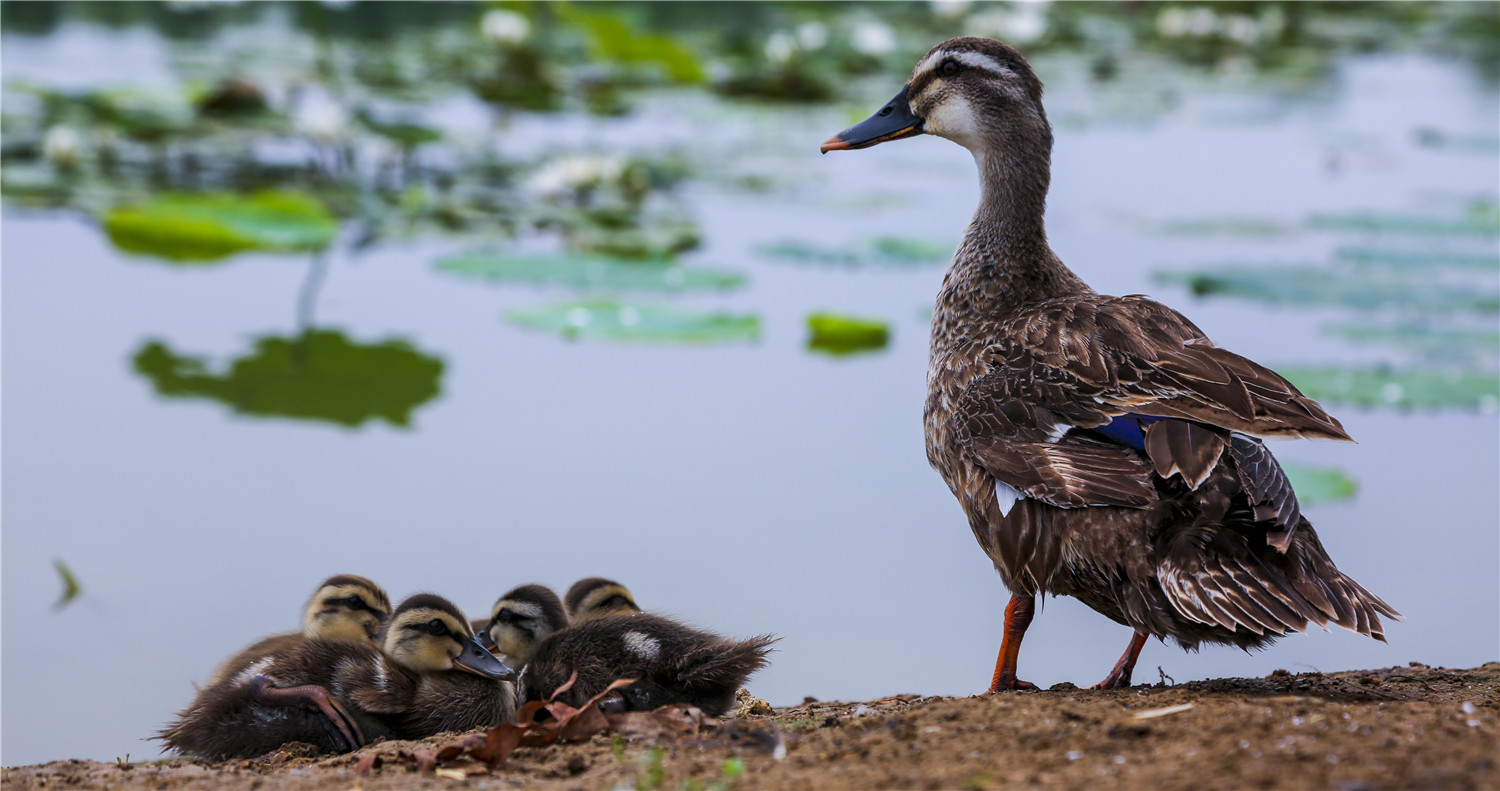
(1120, 676)
(1017, 617)
(265, 692)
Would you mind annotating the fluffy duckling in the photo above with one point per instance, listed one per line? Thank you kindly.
(339, 694)
(433, 677)
(521, 619)
(592, 597)
(671, 662)
(345, 607)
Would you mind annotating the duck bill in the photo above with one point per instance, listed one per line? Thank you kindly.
(480, 662)
(894, 121)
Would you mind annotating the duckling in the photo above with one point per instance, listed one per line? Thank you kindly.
(338, 694)
(345, 606)
(521, 619)
(671, 662)
(433, 677)
(1101, 447)
(280, 697)
(592, 597)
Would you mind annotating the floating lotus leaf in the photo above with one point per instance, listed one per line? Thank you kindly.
(611, 38)
(611, 320)
(185, 227)
(1320, 484)
(839, 336)
(589, 272)
(1381, 387)
(1417, 259)
(318, 375)
(1428, 137)
(880, 251)
(1215, 226)
(1297, 285)
(1482, 219)
(1448, 343)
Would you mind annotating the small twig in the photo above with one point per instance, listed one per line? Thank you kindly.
(1166, 680)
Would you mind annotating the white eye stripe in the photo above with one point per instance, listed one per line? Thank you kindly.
(973, 60)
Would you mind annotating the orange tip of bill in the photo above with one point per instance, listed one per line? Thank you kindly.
(834, 143)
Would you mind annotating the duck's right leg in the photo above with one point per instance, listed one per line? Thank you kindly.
(1017, 617)
(312, 696)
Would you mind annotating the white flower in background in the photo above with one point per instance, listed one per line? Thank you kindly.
(1242, 29)
(873, 38)
(812, 35)
(950, 9)
(322, 118)
(780, 46)
(572, 173)
(62, 146)
(1021, 23)
(1172, 22)
(504, 27)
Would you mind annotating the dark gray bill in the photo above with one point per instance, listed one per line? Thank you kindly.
(480, 662)
(894, 121)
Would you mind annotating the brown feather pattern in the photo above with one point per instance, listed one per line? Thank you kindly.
(1200, 538)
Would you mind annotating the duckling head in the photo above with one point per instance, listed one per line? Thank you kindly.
(593, 597)
(977, 92)
(346, 607)
(428, 634)
(523, 618)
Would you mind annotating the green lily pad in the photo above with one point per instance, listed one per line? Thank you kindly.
(1427, 137)
(405, 133)
(318, 375)
(840, 336)
(1440, 342)
(1315, 485)
(612, 38)
(616, 321)
(1482, 219)
(1214, 226)
(589, 272)
(71, 588)
(1382, 387)
(185, 227)
(892, 251)
(1296, 285)
(1417, 259)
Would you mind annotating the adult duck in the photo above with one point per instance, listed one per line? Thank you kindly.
(1102, 447)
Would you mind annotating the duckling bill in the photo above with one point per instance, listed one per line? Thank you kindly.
(1101, 447)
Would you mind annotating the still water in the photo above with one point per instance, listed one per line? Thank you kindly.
(746, 488)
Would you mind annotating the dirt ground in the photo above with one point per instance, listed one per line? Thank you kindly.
(1401, 728)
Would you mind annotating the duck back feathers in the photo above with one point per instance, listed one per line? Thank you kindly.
(671, 662)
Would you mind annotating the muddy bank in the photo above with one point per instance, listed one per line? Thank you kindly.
(1398, 728)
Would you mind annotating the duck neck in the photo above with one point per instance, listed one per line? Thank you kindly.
(1005, 262)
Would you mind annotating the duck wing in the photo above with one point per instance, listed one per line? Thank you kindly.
(1085, 398)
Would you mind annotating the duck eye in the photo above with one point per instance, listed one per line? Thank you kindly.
(436, 626)
(949, 68)
(356, 603)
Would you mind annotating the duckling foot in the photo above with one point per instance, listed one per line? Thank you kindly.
(1119, 677)
(311, 696)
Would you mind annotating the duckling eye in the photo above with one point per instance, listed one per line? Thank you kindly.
(436, 627)
(949, 68)
(356, 603)
(508, 616)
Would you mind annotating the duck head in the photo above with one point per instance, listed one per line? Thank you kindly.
(522, 618)
(977, 92)
(346, 607)
(428, 634)
(593, 597)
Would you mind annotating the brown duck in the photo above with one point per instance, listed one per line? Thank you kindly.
(1102, 447)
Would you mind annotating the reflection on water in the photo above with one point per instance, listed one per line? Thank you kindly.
(748, 486)
(317, 375)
